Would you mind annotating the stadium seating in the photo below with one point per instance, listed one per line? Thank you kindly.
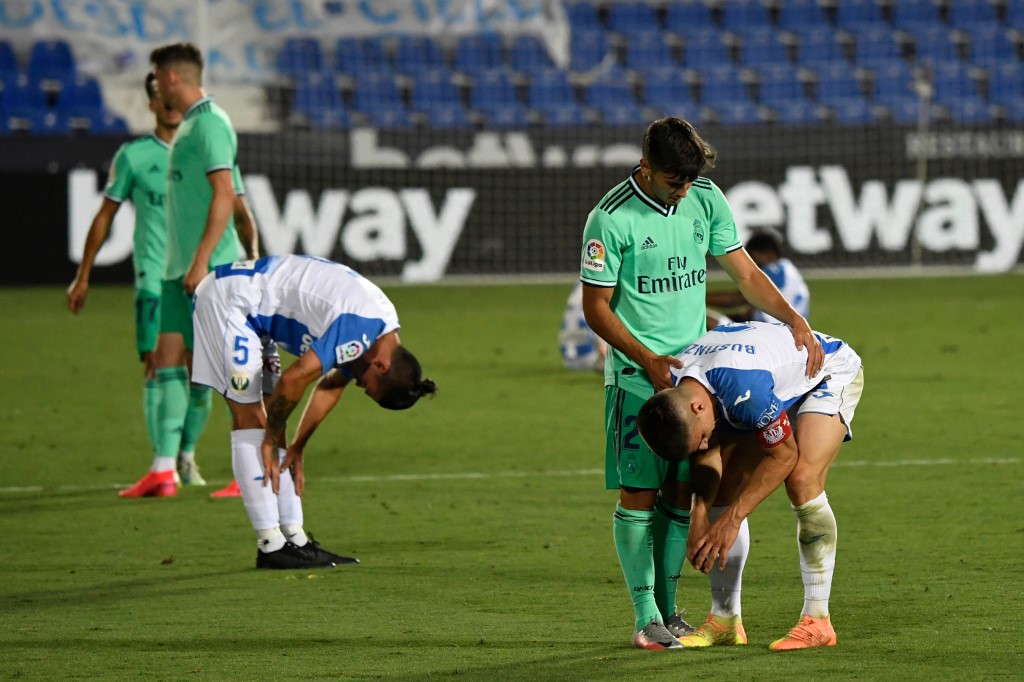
(477, 53)
(590, 49)
(741, 15)
(8, 62)
(300, 56)
(876, 45)
(705, 48)
(51, 60)
(967, 14)
(934, 44)
(796, 15)
(855, 15)
(778, 84)
(416, 54)
(353, 56)
(990, 45)
(529, 57)
(909, 15)
(762, 45)
(684, 17)
(632, 17)
(818, 45)
(647, 50)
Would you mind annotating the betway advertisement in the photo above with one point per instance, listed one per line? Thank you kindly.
(420, 208)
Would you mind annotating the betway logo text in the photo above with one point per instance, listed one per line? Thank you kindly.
(949, 218)
(369, 224)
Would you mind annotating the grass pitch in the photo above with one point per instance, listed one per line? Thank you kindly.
(480, 516)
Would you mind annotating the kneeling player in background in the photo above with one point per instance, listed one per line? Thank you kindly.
(729, 413)
(342, 327)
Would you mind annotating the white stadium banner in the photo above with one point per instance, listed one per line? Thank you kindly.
(240, 38)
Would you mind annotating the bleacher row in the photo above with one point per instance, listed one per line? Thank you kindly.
(738, 62)
(735, 62)
(48, 96)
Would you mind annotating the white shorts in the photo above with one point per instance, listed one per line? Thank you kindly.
(229, 356)
(841, 400)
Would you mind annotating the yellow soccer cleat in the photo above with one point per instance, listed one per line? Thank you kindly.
(716, 631)
(807, 634)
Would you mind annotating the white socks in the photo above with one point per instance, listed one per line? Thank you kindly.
(726, 585)
(164, 464)
(275, 518)
(816, 540)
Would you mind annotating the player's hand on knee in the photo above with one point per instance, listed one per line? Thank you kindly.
(271, 465)
(293, 464)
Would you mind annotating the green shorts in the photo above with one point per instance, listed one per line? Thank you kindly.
(629, 463)
(147, 321)
(176, 310)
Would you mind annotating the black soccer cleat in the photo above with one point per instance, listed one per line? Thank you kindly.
(336, 559)
(291, 556)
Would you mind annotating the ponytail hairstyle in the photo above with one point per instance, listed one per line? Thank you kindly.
(404, 383)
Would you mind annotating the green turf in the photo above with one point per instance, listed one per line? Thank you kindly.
(480, 518)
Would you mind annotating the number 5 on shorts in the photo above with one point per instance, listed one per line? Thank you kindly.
(241, 355)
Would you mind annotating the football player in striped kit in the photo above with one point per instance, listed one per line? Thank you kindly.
(748, 418)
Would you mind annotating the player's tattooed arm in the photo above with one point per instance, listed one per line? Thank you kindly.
(279, 408)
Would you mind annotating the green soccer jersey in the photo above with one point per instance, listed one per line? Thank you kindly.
(655, 258)
(139, 174)
(205, 143)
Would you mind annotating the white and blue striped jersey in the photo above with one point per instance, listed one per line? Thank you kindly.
(755, 371)
(790, 283)
(305, 303)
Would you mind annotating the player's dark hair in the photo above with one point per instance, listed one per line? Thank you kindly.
(177, 53)
(404, 383)
(673, 146)
(664, 427)
(765, 240)
(150, 85)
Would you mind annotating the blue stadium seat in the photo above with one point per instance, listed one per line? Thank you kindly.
(665, 91)
(330, 119)
(504, 116)
(857, 15)
(953, 82)
(491, 89)
(705, 48)
(566, 115)
(529, 57)
(836, 85)
(934, 44)
(433, 88)
(23, 97)
(970, 111)
(582, 16)
(448, 116)
(723, 84)
(9, 67)
(589, 49)
(647, 50)
(609, 92)
(893, 83)
(683, 17)
(630, 17)
(1006, 87)
(51, 60)
(762, 45)
(316, 93)
(477, 53)
(802, 15)
(1014, 17)
(818, 45)
(299, 56)
(415, 54)
(353, 56)
(990, 46)
(876, 45)
(966, 14)
(49, 122)
(82, 99)
(740, 15)
(796, 112)
(907, 110)
(738, 113)
(623, 115)
(779, 83)
(908, 15)
(375, 91)
(854, 112)
(391, 118)
(550, 87)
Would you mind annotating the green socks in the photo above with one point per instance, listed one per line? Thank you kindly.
(172, 405)
(634, 545)
(669, 528)
(150, 396)
(200, 401)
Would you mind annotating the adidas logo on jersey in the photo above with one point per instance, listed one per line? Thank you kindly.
(648, 244)
(154, 168)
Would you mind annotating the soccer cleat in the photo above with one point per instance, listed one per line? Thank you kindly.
(807, 634)
(655, 636)
(336, 559)
(230, 490)
(290, 556)
(677, 626)
(188, 471)
(153, 484)
(716, 631)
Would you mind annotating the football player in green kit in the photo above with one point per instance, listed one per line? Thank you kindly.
(203, 181)
(643, 268)
(138, 174)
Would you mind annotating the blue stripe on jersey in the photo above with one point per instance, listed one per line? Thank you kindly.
(248, 268)
(828, 344)
(776, 273)
(290, 334)
(747, 396)
(347, 338)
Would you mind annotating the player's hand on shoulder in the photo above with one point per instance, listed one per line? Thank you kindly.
(805, 338)
(658, 368)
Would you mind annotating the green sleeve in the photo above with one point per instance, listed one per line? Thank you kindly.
(722, 225)
(236, 179)
(216, 145)
(120, 180)
(602, 250)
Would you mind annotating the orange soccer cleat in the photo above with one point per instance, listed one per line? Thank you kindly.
(231, 490)
(153, 484)
(807, 634)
